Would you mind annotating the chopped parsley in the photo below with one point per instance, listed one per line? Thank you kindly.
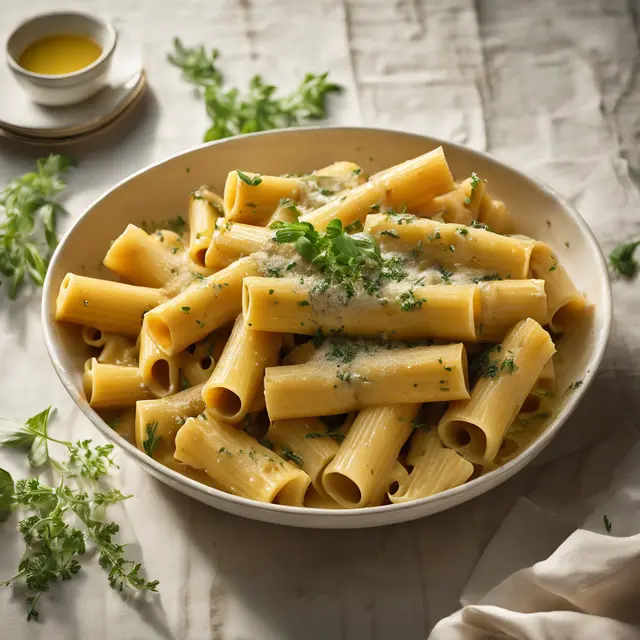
(287, 454)
(574, 386)
(475, 181)
(185, 309)
(224, 450)
(445, 275)
(392, 233)
(409, 302)
(303, 303)
(509, 364)
(338, 437)
(487, 278)
(607, 523)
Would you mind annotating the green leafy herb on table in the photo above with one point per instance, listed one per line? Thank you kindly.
(260, 110)
(252, 182)
(622, 259)
(28, 228)
(65, 517)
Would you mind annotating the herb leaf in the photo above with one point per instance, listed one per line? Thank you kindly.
(252, 182)
(30, 210)
(65, 516)
(6, 494)
(152, 440)
(622, 259)
(260, 110)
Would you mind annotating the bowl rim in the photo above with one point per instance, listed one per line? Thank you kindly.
(107, 52)
(466, 491)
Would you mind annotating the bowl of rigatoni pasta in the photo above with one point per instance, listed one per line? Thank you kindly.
(328, 327)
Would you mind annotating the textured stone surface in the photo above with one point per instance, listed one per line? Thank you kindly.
(550, 86)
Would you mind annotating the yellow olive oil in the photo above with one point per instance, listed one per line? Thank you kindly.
(56, 55)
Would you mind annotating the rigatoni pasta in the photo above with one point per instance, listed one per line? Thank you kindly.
(328, 340)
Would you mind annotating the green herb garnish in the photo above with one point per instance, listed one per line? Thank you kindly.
(287, 454)
(252, 182)
(446, 275)
(409, 302)
(260, 110)
(622, 259)
(338, 437)
(607, 523)
(65, 516)
(30, 210)
(475, 181)
(152, 440)
(574, 386)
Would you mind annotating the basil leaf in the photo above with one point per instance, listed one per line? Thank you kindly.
(7, 498)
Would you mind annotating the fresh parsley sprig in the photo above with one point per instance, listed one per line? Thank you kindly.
(53, 541)
(28, 228)
(622, 259)
(260, 110)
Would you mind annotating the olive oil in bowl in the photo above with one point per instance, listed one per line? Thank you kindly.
(59, 54)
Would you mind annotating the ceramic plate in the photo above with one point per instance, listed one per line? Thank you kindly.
(160, 190)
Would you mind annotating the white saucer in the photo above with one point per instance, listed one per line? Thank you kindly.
(22, 117)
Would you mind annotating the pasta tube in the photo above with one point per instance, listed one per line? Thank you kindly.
(413, 183)
(504, 303)
(91, 301)
(206, 305)
(283, 305)
(254, 203)
(160, 419)
(436, 470)
(238, 375)
(234, 240)
(565, 304)
(92, 336)
(112, 385)
(141, 260)
(476, 427)
(494, 214)
(238, 463)
(452, 244)
(202, 219)
(459, 206)
(118, 350)
(356, 476)
(308, 443)
(160, 372)
(322, 388)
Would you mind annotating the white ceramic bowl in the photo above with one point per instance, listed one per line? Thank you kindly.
(67, 88)
(160, 191)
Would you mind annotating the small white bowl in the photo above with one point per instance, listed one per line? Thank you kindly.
(68, 88)
(158, 191)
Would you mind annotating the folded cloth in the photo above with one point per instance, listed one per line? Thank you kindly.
(588, 588)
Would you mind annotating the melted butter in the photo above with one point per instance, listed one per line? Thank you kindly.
(57, 55)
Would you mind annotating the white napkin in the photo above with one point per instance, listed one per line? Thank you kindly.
(587, 589)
